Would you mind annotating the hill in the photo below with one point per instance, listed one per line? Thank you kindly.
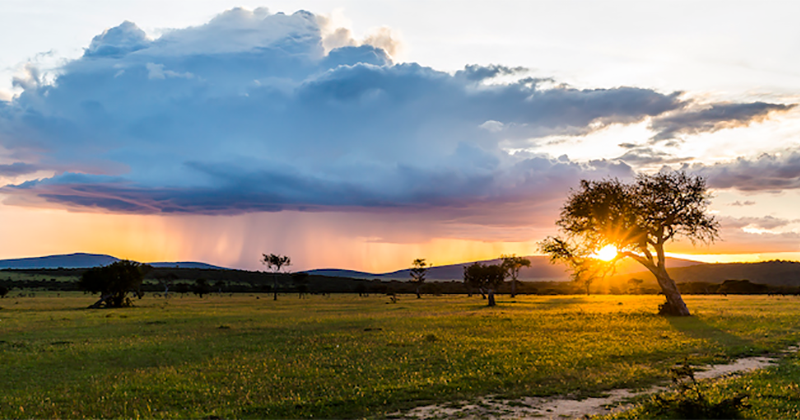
(77, 260)
(773, 273)
(187, 264)
(83, 260)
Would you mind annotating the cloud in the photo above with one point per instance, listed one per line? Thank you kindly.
(738, 203)
(255, 112)
(764, 223)
(474, 72)
(117, 41)
(712, 118)
(648, 156)
(766, 172)
(383, 38)
(17, 168)
(29, 78)
(410, 188)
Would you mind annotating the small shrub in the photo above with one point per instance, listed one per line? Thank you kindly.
(691, 403)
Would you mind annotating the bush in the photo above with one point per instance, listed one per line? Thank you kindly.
(691, 403)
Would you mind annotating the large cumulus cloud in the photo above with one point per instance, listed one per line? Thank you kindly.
(255, 112)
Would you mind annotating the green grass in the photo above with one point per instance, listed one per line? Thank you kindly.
(773, 393)
(346, 356)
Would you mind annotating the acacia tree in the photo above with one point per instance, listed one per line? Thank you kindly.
(419, 268)
(511, 265)
(637, 218)
(201, 287)
(484, 277)
(113, 282)
(300, 281)
(275, 262)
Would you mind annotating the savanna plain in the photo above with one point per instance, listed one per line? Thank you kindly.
(346, 356)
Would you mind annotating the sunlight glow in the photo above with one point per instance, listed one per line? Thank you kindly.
(606, 253)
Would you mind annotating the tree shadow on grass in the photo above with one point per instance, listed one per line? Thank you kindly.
(732, 345)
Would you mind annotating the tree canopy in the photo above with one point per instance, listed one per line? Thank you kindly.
(512, 264)
(638, 219)
(113, 282)
(275, 262)
(419, 268)
(484, 278)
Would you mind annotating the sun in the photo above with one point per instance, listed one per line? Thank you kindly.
(606, 253)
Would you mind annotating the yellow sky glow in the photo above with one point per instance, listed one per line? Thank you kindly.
(314, 240)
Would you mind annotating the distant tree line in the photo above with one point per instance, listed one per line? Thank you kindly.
(198, 282)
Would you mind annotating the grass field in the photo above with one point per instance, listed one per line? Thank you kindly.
(348, 356)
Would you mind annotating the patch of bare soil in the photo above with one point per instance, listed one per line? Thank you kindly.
(564, 407)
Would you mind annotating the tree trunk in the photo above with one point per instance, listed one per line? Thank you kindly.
(513, 287)
(491, 298)
(418, 295)
(675, 303)
(275, 286)
(483, 294)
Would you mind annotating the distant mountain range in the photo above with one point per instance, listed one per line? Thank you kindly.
(82, 260)
(540, 270)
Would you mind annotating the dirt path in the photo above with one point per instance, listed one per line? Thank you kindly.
(563, 407)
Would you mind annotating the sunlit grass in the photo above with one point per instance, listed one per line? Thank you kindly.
(772, 393)
(345, 356)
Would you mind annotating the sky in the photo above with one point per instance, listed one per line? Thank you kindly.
(365, 134)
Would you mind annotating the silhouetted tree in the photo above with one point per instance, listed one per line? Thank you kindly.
(3, 291)
(635, 286)
(741, 287)
(182, 288)
(219, 285)
(275, 262)
(419, 268)
(587, 269)
(300, 281)
(113, 282)
(472, 278)
(484, 277)
(201, 287)
(511, 265)
(165, 280)
(638, 219)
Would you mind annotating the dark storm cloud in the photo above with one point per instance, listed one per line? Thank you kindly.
(537, 179)
(249, 112)
(713, 118)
